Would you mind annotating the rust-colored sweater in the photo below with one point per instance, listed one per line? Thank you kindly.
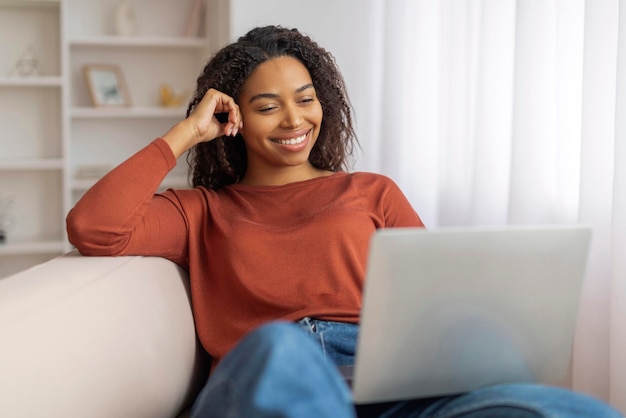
(254, 253)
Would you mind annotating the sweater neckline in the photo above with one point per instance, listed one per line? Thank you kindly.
(295, 184)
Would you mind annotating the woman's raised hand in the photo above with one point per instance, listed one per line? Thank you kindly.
(205, 121)
(203, 125)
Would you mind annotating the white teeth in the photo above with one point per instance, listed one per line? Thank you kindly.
(292, 141)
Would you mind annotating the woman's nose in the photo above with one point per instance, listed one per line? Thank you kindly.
(292, 117)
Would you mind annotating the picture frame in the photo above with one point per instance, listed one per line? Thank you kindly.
(107, 86)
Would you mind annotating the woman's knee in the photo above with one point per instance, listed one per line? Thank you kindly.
(276, 367)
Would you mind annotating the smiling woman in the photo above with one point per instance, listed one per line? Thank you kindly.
(275, 237)
(283, 119)
(223, 161)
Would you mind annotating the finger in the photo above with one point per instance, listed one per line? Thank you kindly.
(226, 124)
(223, 102)
(234, 119)
(224, 113)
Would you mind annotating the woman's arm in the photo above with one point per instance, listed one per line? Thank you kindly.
(121, 214)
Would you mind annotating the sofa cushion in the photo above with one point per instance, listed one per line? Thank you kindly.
(97, 337)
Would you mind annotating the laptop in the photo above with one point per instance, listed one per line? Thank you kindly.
(451, 310)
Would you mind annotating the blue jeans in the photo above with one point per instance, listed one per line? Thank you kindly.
(280, 371)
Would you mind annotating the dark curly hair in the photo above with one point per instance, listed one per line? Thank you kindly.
(223, 161)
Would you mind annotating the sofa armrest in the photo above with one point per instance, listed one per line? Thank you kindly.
(97, 337)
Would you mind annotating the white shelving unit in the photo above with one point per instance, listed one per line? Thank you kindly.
(32, 155)
(50, 130)
(158, 53)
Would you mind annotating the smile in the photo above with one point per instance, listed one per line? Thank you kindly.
(292, 141)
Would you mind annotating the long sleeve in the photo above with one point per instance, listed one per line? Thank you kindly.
(122, 215)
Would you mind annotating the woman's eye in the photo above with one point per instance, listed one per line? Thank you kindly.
(307, 100)
(267, 109)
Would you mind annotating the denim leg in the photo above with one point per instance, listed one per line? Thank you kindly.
(338, 342)
(510, 401)
(275, 371)
(337, 339)
(253, 381)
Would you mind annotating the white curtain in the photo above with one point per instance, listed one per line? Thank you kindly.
(492, 112)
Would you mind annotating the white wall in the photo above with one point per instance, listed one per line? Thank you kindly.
(346, 28)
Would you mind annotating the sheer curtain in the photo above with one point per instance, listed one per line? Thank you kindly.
(492, 112)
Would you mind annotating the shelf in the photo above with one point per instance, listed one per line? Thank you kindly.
(132, 112)
(21, 247)
(51, 129)
(172, 181)
(36, 4)
(39, 81)
(140, 41)
(31, 164)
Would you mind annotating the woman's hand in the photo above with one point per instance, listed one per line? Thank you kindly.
(202, 125)
(204, 120)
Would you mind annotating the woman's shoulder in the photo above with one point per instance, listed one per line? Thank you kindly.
(368, 175)
(376, 184)
(369, 178)
(189, 196)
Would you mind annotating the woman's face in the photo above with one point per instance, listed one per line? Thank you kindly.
(281, 118)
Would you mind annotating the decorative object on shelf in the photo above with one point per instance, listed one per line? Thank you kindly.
(6, 218)
(106, 85)
(196, 17)
(169, 98)
(27, 64)
(125, 19)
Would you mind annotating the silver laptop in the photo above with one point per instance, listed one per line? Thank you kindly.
(451, 310)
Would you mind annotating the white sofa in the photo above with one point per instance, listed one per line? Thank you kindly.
(98, 337)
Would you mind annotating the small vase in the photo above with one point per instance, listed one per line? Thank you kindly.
(125, 19)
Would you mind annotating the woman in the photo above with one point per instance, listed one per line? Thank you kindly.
(274, 236)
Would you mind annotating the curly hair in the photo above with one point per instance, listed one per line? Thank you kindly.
(223, 161)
